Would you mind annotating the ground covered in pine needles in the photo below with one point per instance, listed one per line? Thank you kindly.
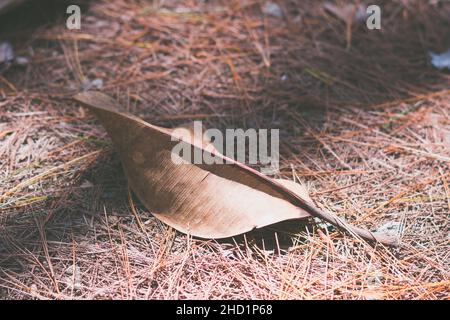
(364, 121)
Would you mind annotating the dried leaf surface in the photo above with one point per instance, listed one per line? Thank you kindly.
(209, 201)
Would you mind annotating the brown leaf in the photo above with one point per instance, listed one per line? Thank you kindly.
(208, 201)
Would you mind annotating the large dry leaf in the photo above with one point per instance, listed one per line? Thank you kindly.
(208, 201)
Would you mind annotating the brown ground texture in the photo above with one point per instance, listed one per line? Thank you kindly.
(364, 121)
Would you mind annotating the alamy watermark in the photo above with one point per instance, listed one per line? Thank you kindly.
(373, 17)
(74, 20)
(234, 144)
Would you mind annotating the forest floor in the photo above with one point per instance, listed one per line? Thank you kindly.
(364, 121)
